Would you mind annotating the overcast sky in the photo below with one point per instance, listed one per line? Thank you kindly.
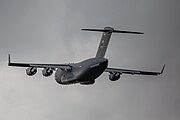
(49, 31)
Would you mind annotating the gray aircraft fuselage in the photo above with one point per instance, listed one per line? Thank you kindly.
(84, 72)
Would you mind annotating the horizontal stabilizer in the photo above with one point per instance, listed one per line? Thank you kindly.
(131, 32)
(109, 29)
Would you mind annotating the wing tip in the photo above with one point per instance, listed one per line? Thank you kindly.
(162, 70)
(9, 59)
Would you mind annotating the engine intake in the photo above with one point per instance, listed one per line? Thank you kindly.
(114, 76)
(31, 71)
(47, 72)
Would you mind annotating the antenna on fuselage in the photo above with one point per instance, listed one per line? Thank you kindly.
(107, 31)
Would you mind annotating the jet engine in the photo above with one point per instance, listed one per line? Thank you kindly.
(114, 76)
(47, 72)
(31, 71)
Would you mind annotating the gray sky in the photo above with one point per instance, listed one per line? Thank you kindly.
(43, 31)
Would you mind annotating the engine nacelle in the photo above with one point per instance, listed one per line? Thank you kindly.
(114, 76)
(47, 72)
(31, 71)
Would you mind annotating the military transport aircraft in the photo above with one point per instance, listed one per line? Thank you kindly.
(87, 71)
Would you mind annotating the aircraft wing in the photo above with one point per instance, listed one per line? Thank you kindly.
(53, 66)
(132, 72)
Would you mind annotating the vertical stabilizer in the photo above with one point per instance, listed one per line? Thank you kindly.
(104, 42)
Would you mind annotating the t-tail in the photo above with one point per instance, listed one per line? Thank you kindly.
(107, 31)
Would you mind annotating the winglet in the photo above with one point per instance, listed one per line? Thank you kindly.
(162, 70)
(9, 60)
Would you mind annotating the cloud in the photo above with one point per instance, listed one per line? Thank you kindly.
(49, 32)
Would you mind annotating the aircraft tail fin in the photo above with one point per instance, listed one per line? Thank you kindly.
(107, 31)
